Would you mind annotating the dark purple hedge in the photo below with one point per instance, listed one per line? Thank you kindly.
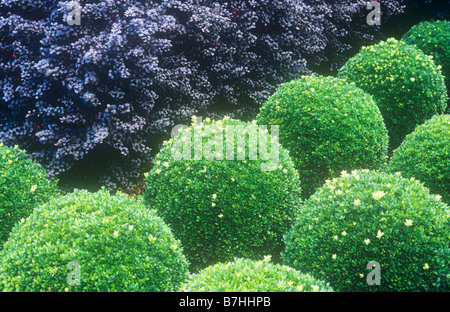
(95, 100)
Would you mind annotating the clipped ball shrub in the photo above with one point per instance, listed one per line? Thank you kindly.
(23, 186)
(244, 275)
(406, 84)
(328, 125)
(371, 216)
(433, 38)
(117, 244)
(222, 203)
(425, 155)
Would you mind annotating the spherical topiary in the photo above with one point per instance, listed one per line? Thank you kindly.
(244, 275)
(222, 203)
(116, 243)
(406, 84)
(328, 125)
(23, 185)
(425, 155)
(433, 38)
(371, 216)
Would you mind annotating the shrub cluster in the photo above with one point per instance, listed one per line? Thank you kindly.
(406, 84)
(96, 99)
(118, 244)
(328, 125)
(23, 186)
(244, 275)
(221, 208)
(433, 38)
(370, 216)
(425, 155)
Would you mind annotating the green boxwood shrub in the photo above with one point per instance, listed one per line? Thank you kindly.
(328, 125)
(23, 186)
(119, 244)
(425, 155)
(406, 84)
(433, 38)
(370, 216)
(218, 208)
(244, 275)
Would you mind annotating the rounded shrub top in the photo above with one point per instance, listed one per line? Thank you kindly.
(244, 275)
(371, 216)
(23, 185)
(115, 242)
(425, 155)
(328, 125)
(406, 84)
(433, 38)
(220, 202)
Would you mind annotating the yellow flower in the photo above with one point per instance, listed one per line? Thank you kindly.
(131, 227)
(33, 188)
(315, 288)
(408, 222)
(378, 195)
(426, 266)
(357, 202)
(220, 216)
(343, 233)
(214, 196)
(213, 204)
(333, 256)
(379, 234)
(116, 233)
(367, 241)
(158, 171)
(151, 238)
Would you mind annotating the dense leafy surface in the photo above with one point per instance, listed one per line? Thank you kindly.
(328, 125)
(406, 84)
(425, 155)
(23, 186)
(221, 208)
(367, 216)
(118, 243)
(433, 38)
(253, 276)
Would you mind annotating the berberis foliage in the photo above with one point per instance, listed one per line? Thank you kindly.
(119, 245)
(113, 85)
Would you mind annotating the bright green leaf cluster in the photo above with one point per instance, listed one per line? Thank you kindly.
(244, 275)
(405, 83)
(433, 38)
(219, 208)
(23, 186)
(366, 216)
(119, 244)
(328, 125)
(425, 155)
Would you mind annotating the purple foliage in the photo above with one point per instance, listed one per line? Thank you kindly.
(114, 85)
